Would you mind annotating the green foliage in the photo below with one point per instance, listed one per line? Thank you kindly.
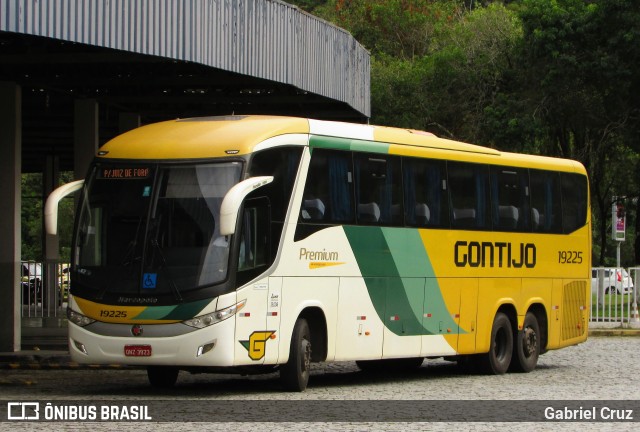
(308, 5)
(581, 61)
(402, 29)
(552, 77)
(32, 222)
(32, 208)
(457, 77)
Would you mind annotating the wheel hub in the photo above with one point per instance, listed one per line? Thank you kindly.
(530, 341)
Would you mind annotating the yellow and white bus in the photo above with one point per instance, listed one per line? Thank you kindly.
(257, 243)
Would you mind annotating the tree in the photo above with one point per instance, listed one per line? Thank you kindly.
(32, 207)
(402, 29)
(308, 5)
(32, 222)
(579, 59)
(450, 88)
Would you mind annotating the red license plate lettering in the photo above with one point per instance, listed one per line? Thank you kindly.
(137, 350)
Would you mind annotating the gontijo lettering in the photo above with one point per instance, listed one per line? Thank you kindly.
(498, 254)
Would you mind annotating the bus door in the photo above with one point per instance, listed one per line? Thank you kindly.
(258, 322)
(251, 324)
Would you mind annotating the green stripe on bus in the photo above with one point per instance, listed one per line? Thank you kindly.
(155, 312)
(179, 312)
(348, 144)
(187, 310)
(400, 280)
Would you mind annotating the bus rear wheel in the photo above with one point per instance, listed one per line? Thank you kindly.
(527, 346)
(498, 359)
(162, 376)
(295, 373)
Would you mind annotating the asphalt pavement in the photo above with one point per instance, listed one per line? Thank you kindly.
(47, 349)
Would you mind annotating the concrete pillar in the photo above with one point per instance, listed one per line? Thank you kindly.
(85, 135)
(10, 220)
(128, 121)
(50, 180)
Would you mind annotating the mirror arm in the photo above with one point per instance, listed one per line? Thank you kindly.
(233, 200)
(51, 206)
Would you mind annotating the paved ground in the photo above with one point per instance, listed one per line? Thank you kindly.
(603, 368)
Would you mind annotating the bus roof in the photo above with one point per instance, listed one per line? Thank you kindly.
(221, 136)
(202, 137)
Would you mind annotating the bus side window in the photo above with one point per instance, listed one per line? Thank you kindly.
(574, 201)
(282, 163)
(425, 193)
(378, 189)
(328, 192)
(469, 192)
(510, 199)
(546, 203)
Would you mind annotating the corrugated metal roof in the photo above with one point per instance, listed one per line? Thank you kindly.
(263, 38)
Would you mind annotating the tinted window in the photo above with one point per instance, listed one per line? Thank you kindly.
(574, 201)
(510, 199)
(281, 163)
(328, 193)
(378, 189)
(425, 193)
(546, 204)
(469, 191)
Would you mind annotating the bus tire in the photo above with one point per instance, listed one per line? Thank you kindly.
(295, 373)
(162, 376)
(526, 350)
(498, 359)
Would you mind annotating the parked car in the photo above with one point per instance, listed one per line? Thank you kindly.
(614, 281)
(63, 280)
(31, 283)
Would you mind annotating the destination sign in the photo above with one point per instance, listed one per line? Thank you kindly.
(127, 173)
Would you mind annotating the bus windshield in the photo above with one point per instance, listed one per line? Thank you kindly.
(152, 230)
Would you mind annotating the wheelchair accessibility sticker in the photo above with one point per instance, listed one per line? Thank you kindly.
(149, 280)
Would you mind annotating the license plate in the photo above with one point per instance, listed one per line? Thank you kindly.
(137, 350)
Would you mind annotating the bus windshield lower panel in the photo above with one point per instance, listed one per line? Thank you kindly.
(152, 230)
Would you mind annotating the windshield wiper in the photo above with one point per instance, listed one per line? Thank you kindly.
(129, 257)
(165, 268)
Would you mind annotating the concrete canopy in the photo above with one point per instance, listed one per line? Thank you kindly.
(165, 59)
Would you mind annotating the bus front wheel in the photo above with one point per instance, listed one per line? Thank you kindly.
(498, 359)
(162, 376)
(295, 373)
(527, 346)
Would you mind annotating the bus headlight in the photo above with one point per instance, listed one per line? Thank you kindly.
(203, 321)
(79, 319)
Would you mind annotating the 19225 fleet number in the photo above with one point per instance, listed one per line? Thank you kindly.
(570, 257)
